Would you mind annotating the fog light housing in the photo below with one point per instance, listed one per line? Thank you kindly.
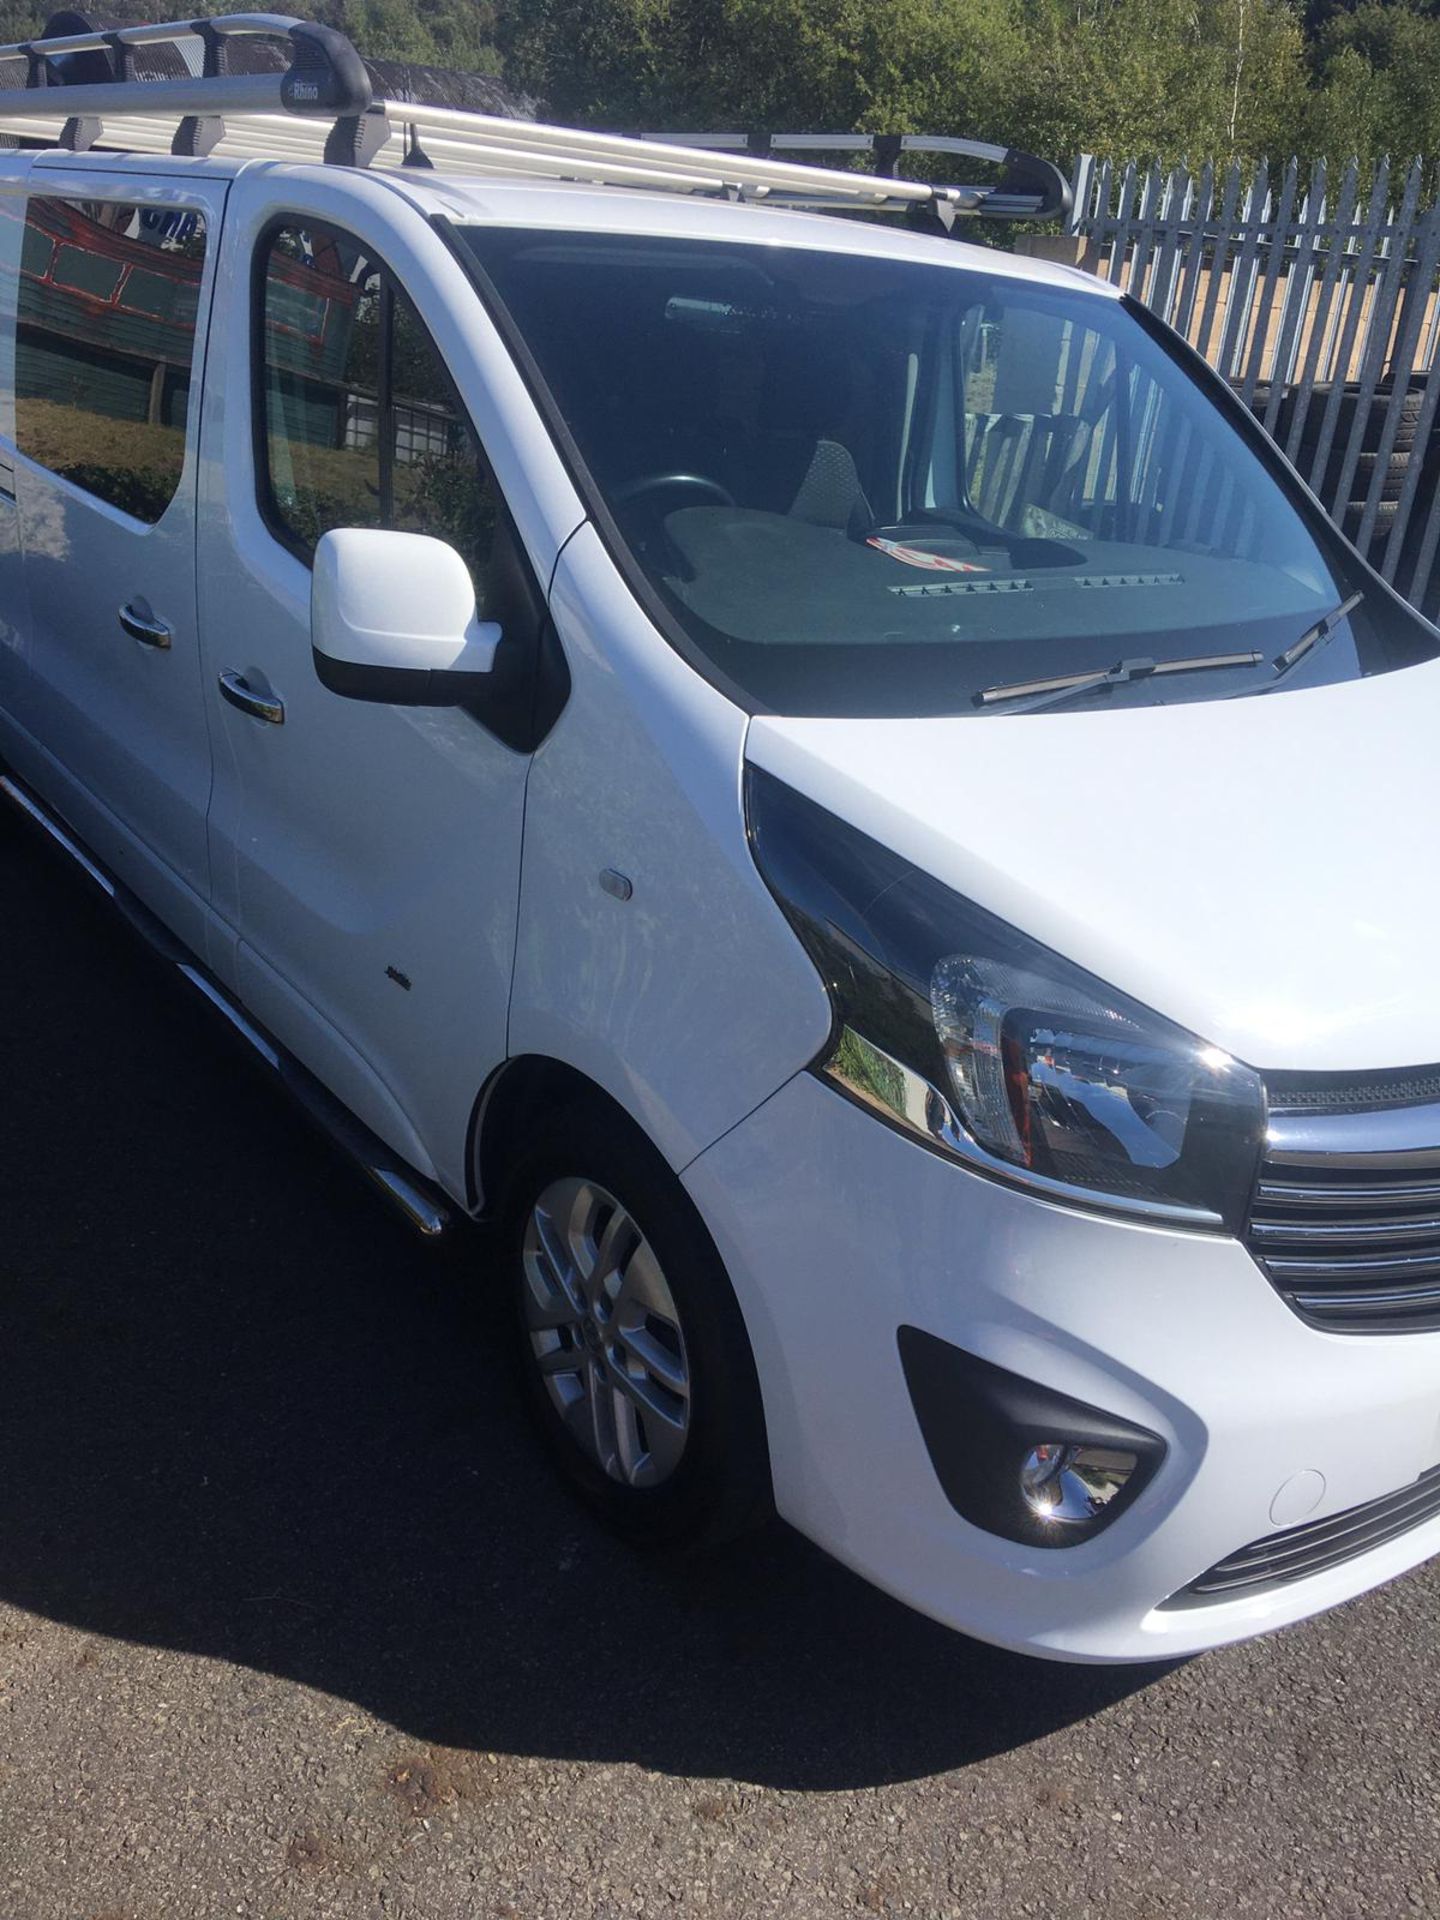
(1069, 1486)
(1017, 1458)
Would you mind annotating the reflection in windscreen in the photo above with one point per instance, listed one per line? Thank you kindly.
(863, 485)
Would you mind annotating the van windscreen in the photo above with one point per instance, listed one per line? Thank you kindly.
(858, 484)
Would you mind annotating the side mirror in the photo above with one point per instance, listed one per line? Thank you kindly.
(392, 618)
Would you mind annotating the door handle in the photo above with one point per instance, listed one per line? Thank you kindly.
(145, 628)
(259, 706)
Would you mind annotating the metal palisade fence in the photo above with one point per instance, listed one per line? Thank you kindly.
(1317, 299)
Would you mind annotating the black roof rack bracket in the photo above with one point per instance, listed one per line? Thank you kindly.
(356, 138)
(326, 74)
(1027, 173)
(79, 133)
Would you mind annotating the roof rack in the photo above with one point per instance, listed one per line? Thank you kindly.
(173, 88)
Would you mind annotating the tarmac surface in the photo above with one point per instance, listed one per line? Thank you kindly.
(294, 1621)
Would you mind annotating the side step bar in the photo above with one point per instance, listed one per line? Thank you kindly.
(422, 1204)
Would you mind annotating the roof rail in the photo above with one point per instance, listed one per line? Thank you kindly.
(1029, 188)
(78, 76)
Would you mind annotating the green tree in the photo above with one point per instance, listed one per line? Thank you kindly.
(443, 33)
(1133, 79)
(1139, 78)
(1377, 83)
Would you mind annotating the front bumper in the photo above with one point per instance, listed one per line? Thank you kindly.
(837, 1231)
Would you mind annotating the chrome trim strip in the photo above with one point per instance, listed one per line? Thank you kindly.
(1284, 1266)
(1375, 1300)
(1386, 1137)
(1343, 1233)
(1278, 1195)
(887, 1086)
(1353, 1254)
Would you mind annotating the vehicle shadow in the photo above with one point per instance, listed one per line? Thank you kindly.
(245, 1415)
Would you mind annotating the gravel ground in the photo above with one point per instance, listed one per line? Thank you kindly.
(294, 1622)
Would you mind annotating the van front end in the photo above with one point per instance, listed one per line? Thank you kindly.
(920, 1331)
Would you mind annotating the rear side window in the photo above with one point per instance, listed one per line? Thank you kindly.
(105, 346)
(362, 423)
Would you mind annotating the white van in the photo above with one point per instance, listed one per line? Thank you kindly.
(828, 781)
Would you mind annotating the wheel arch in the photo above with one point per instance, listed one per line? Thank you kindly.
(512, 1103)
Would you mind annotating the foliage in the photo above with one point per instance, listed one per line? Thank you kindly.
(438, 33)
(1140, 79)
(1379, 82)
(441, 33)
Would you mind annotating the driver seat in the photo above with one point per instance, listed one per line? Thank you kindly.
(831, 495)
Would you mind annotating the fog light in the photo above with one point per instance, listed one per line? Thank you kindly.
(1020, 1459)
(1069, 1485)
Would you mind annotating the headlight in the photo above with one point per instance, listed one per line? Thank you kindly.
(988, 1046)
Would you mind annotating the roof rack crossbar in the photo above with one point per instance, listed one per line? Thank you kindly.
(321, 107)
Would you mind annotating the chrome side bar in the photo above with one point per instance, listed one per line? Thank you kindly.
(62, 837)
(422, 1204)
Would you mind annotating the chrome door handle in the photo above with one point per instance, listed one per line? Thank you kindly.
(259, 706)
(145, 628)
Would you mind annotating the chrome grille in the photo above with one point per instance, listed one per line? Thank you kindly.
(1300, 1551)
(1346, 1215)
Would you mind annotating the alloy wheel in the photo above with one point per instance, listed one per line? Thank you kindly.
(605, 1333)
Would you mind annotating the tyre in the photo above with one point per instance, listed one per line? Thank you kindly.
(1385, 516)
(1421, 509)
(1396, 469)
(1407, 404)
(634, 1355)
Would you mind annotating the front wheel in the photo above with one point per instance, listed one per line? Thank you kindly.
(632, 1345)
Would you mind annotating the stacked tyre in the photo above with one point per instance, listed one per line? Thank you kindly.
(1408, 401)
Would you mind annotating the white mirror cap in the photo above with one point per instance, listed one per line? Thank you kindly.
(403, 600)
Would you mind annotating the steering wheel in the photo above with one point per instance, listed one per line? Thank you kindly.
(653, 482)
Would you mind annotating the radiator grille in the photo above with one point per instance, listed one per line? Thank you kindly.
(1299, 1552)
(1346, 1215)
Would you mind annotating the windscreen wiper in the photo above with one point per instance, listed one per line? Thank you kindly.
(1027, 695)
(1315, 636)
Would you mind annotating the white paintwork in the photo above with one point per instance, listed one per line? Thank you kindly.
(358, 838)
(132, 719)
(548, 205)
(1256, 869)
(691, 1001)
(811, 1201)
(398, 600)
(1252, 868)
